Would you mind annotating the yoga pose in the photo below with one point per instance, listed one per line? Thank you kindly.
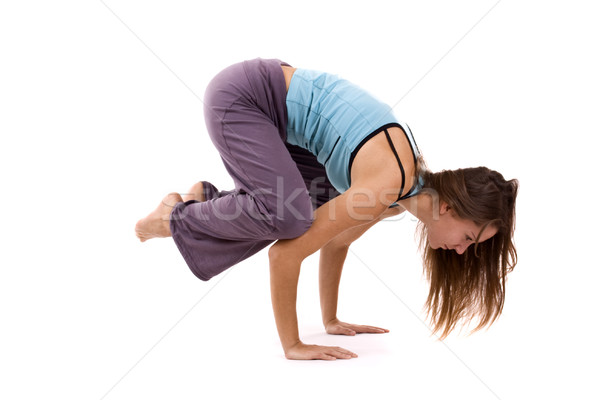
(317, 161)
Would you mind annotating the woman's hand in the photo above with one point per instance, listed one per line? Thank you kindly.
(337, 327)
(301, 351)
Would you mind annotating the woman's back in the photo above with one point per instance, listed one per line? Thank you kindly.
(332, 118)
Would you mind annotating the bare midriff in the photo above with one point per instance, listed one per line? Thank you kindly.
(287, 73)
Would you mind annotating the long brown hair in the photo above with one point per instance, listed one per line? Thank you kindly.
(471, 285)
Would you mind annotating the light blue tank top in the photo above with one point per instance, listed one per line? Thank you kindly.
(332, 118)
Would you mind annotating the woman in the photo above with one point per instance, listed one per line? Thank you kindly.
(316, 162)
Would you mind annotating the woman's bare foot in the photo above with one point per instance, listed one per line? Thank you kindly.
(156, 224)
(196, 192)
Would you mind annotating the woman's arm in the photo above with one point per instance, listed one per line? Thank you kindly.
(352, 208)
(331, 262)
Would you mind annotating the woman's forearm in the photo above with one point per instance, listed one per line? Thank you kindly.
(284, 286)
(331, 263)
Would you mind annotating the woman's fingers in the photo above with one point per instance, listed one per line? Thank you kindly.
(343, 328)
(313, 352)
(339, 352)
(333, 353)
(369, 329)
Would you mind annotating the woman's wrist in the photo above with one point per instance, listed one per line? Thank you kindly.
(290, 345)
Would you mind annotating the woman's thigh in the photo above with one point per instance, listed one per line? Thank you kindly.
(246, 121)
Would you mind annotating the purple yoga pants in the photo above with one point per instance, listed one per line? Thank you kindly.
(277, 185)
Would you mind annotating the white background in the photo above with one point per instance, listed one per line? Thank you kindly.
(100, 117)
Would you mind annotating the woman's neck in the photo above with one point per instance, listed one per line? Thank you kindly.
(421, 206)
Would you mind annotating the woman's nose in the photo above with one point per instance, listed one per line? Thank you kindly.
(461, 248)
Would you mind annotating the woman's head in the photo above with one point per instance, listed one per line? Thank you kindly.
(450, 232)
(468, 247)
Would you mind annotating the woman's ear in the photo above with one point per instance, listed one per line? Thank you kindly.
(444, 207)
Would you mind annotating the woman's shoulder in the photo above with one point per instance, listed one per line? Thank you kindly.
(376, 162)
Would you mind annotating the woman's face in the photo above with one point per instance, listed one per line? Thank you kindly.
(453, 233)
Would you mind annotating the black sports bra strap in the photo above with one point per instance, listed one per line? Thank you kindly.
(399, 163)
